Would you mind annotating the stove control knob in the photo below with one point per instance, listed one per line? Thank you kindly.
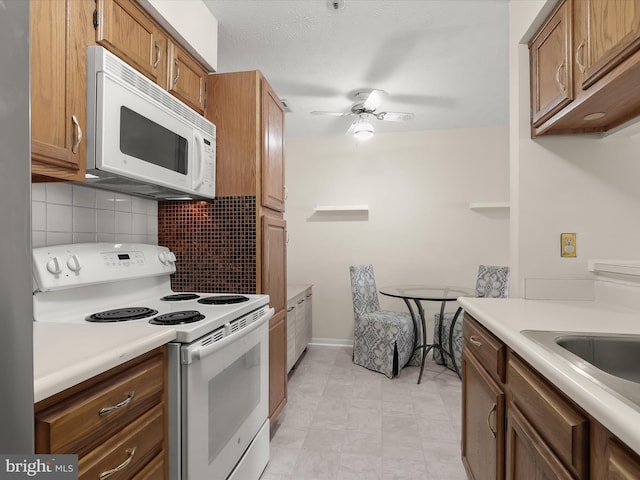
(172, 257)
(163, 257)
(73, 263)
(53, 266)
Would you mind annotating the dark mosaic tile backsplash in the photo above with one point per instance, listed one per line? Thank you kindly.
(214, 242)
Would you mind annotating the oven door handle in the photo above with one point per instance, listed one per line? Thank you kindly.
(199, 352)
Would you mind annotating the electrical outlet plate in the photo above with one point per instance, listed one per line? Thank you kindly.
(567, 244)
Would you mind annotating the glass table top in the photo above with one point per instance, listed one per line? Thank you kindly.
(440, 293)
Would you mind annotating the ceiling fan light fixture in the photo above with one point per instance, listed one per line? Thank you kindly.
(363, 130)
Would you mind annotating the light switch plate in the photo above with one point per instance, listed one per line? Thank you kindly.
(568, 245)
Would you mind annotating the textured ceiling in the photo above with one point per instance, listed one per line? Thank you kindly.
(444, 60)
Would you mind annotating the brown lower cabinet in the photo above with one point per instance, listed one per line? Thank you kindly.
(115, 422)
(520, 427)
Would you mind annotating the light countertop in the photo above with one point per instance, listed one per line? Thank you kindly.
(507, 317)
(293, 290)
(66, 354)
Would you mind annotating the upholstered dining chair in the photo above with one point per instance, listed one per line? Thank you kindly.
(492, 282)
(383, 340)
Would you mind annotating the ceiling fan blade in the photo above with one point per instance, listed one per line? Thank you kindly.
(394, 116)
(374, 99)
(334, 114)
(351, 128)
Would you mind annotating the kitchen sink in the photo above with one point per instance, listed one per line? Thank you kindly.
(611, 360)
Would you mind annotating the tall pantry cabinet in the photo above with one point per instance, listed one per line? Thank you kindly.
(249, 118)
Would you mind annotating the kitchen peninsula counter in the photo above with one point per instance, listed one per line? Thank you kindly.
(506, 318)
(66, 354)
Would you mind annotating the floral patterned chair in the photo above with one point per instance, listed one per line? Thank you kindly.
(383, 341)
(492, 282)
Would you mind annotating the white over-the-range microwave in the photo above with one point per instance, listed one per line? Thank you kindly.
(141, 140)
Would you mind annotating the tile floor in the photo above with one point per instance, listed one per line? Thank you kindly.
(343, 422)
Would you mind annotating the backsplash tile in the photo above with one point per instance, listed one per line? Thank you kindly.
(214, 242)
(68, 213)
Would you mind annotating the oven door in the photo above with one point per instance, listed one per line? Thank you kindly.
(225, 395)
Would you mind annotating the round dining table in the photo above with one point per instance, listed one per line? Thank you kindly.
(429, 293)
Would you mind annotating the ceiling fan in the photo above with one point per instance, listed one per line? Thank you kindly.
(365, 107)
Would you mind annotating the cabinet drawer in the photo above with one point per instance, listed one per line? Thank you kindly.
(128, 451)
(155, 469)
(561, 425)
(74, 423)
(490, 351)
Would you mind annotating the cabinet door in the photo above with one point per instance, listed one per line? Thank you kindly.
(482, 422)
(612, 35)
(123, 28)
(610, 459)
(308, 317)
(274, 258)
(58, 90)
(277, 365)
(187, 79)
(272, 149)
(528, 456)
(551, 70)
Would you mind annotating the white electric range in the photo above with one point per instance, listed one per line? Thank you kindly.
(218, 364)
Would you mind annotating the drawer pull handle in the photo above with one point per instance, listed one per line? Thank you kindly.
(475, 342)
(107, 473)
(492, 411)
(123, 403)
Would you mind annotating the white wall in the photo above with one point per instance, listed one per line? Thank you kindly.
(583, 184)
(419, 228)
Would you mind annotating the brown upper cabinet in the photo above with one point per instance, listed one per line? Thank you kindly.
(187, 79)
(126, 30)
(585, 67)
(58, 89)
(250, 128)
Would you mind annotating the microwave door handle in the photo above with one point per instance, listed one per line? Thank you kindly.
(199, 159)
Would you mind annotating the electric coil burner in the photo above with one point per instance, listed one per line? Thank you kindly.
(217, 366)
(122, 314)
(223, 300)
(177, 318)
(179, 297)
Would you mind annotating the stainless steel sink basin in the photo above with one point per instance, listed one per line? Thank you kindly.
(611, 360)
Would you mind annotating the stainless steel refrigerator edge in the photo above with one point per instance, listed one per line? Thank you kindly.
(16, 320)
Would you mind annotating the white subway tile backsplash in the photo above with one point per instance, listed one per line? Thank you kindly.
(152, 208)
(59, 238)
(84, 220)
(84, 237)
(105, 200)
(38, 216)
(107, 221)
(38, 192)
(123, 222)
(59, 193)
(84, 197)
(107, 237)
(138, 205)
(64, 213)
(123, 202)
(139, 224)
(38, 239)
(59, 217)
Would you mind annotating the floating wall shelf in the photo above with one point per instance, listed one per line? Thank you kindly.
(626, 267)
(489, 206)
(342, 208)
